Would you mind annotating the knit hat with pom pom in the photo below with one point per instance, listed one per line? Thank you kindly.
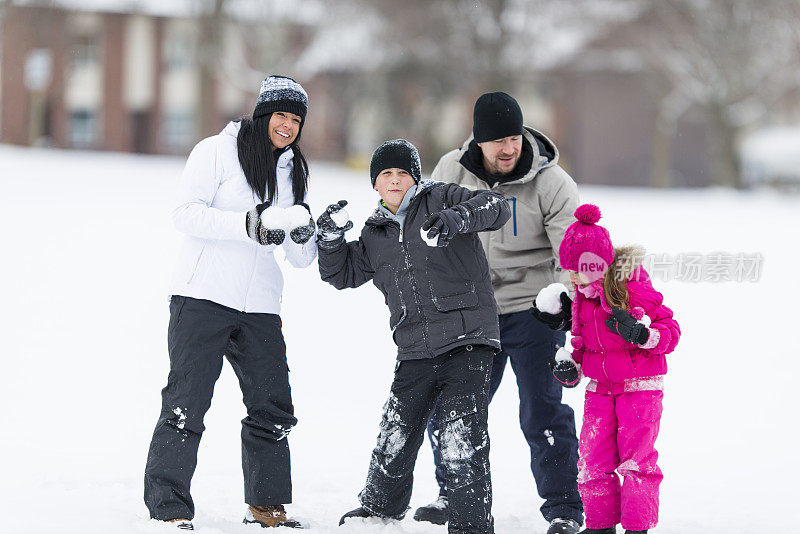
(586, 247)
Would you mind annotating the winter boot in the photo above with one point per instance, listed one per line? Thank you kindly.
(358, 512)
(270, 516)
(609, 530)
(563, 525)
(435, 512)
(181, 524)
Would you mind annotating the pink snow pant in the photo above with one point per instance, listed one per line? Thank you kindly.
(618, 436)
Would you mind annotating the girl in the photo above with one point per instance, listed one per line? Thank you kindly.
(226, 291)
(621, 334)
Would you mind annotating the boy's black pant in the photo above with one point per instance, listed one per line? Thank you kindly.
(460, 380)
(200, 333)
(547, 423)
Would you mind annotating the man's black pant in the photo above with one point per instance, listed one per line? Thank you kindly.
(460, 380)
(200, 333)
(547, 423)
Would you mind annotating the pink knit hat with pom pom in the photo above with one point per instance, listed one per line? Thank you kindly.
(586, 246)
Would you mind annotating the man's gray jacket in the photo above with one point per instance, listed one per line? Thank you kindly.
(523, 254)
(439, 298)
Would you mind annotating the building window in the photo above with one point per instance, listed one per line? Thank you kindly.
(179, 51)
(83, 128)
(178, 131)
(84, 51)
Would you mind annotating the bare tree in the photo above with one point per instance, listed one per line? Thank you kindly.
(732, 58)
(414, 57)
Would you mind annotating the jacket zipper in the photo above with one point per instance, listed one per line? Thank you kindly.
(602, 349)
(407, 258)
(196, 264)
(514, 213)
(250, 283)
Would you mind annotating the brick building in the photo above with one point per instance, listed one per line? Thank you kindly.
(131, 82)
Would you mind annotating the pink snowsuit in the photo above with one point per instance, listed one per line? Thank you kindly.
(622, 409)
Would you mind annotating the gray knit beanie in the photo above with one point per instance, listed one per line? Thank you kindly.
(281, 93)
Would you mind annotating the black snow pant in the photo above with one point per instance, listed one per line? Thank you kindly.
(200, 333)
(547, 423)
(460, 380)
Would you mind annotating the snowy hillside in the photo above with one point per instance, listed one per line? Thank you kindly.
(88, 247)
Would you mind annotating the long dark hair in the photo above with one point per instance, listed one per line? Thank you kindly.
(257, 158)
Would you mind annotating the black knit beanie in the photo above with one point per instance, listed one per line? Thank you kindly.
(281, 93)
(496, 115)
(395, 154)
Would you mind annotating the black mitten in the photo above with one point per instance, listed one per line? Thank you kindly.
(257, 232)
(302, 234)
(628, 328)
(565, 372)
(329, 231)
(446, 224)
(559, 321)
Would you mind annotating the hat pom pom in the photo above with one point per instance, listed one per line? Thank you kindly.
(588, 213)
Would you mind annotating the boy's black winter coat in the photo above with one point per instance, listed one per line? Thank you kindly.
(439, 297)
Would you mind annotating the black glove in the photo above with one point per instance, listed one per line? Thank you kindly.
(446, 224)
(566, 372)
(257, 232)
(628, 328)
(302, 234)
(329, 231)
(559, 321)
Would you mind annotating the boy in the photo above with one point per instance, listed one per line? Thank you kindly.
(421, 250)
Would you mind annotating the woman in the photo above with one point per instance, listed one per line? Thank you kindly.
(226, 291)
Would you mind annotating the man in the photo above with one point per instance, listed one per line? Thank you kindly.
(522, 164)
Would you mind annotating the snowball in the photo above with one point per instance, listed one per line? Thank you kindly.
(549, 299)
(340, 217)
(431, 242)
(278, 218)
(296, 216)
(563, 355)
(273, 218)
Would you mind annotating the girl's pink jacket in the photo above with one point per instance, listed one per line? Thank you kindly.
(603, 354)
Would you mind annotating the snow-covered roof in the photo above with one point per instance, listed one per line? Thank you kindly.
(300, 11)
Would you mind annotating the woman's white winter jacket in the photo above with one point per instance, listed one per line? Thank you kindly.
(217, 260)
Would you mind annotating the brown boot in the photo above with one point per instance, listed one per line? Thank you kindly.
(270, 516)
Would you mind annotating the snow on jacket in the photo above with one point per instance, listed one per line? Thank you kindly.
(523, 255)
(603, 354)
(439, 298)
(217, 260)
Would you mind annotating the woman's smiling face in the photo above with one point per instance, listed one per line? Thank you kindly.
(283, 128)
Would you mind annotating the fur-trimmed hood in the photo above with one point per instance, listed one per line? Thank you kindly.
(628, 259)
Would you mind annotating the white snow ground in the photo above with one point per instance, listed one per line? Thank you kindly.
(88, 251)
